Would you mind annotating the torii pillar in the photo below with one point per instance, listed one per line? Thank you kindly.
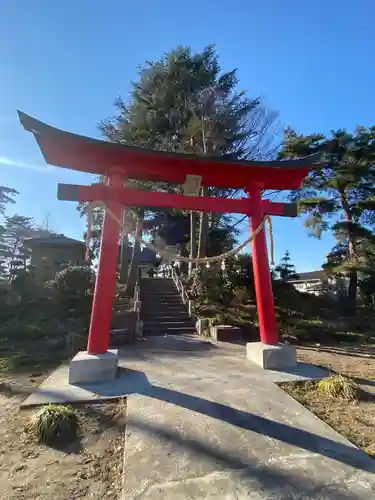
(268, 353)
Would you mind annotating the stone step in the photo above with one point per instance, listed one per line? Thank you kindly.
(174, 300)
(166, 324)
(161, 289)
(160, 298)
(160, 316)
(119, 337)
(153, 293)
(154, 300)
(161, 312)
(163, 306)
(157, 326)
(170, 285)
(164, 311)
(159, 286)
(168, 331)
(161, 303)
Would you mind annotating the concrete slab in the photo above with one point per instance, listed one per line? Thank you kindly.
(271, 357)
(57, 389)
(209, 424)
(93, 368)
(219, 451)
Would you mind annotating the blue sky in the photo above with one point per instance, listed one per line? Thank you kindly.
(65, 63)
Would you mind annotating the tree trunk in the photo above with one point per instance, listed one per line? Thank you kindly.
(124, 258)
(124, 251)
(352, 251)
(12, 259)
(352, 292)
(133, 269)
(193, 239)
(203, 229)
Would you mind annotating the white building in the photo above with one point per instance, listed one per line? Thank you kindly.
(318, 282)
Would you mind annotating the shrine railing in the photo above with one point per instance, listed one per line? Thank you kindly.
(137, 301)
(182, 290)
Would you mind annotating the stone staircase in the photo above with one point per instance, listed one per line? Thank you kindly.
(163, 312)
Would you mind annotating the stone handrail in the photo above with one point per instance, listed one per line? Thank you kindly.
(181, 288)
(137, 293)
(137, 300)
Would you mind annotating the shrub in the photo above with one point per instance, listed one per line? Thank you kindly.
(15, 331)
(75, 283)
(54, 423)
(23, 284)
(242, 296)
(220, 319)
(339, 386)
(211, 285)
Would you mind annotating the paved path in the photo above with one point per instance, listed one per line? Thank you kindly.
(204, 423)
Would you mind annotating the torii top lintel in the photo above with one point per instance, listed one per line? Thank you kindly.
(76, 152)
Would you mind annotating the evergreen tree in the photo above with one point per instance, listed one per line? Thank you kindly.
(340, 197)
(183, 103)
(174, 94)
(285, 270)
(6, 196)
(14, 254)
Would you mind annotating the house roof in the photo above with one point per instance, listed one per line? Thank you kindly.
(312, 275)
(54, 240)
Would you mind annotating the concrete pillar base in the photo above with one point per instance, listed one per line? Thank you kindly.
(271, 357)
(92, 368)
(201, 325)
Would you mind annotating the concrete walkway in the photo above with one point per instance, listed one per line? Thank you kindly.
(204, 423)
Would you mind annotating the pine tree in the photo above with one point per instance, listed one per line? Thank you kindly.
(14, 254)
(6, 196)
(183, 103)
(285, 270)
(339, 196)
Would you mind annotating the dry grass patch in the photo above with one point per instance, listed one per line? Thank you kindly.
(338, 386)
(342, 404)
(88, 467)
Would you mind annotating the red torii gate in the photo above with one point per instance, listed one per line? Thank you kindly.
(120, 162)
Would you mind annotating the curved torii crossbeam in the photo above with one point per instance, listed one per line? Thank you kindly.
(119, 162)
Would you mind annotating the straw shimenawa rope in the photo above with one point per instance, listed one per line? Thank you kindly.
(168, 254)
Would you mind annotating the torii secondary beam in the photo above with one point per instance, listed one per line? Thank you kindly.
(135, 197)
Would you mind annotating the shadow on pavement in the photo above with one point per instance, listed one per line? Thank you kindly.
(285, 433)
(261, 478)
